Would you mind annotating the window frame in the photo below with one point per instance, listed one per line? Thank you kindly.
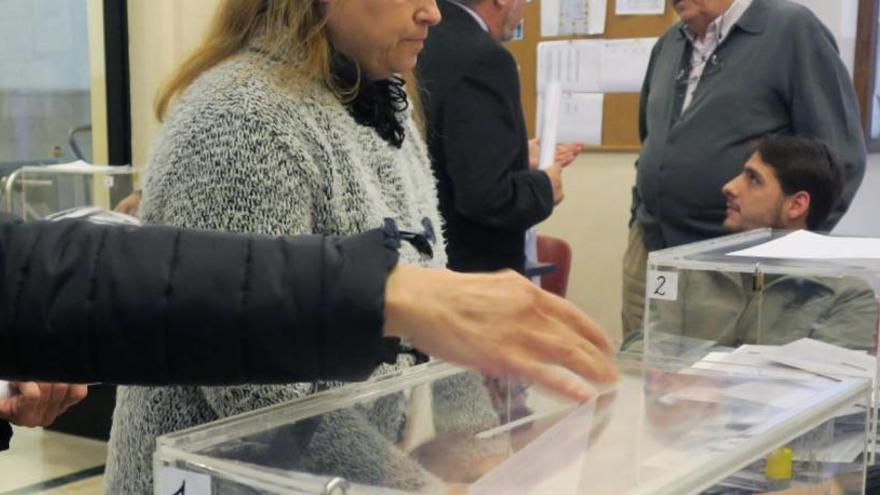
(116, 59)
(865, 70)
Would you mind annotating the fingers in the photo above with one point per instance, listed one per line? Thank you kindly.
(57, 393)
(567, 153)
(575, 319)
(75, 395)
(24, 408)
(576, 354)
(39, 404)
(547, 377)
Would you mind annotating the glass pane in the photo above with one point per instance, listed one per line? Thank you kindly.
(45, 107)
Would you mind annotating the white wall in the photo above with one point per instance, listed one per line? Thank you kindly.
(861, 219)
(161, 34)
(593, 219)
(841, 17)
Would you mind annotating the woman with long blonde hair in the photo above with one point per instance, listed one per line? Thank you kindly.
(289, 119)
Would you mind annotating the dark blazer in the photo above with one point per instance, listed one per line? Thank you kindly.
(84, 303)
(478, 144)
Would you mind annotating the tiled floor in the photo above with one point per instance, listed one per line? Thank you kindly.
(38, 456)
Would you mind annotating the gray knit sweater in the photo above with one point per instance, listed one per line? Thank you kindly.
(242, 153)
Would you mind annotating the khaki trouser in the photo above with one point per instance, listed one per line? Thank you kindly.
(635, 262)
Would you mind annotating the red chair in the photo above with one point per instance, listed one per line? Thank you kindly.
(557, 251)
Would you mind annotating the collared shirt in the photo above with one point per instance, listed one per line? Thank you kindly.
(703, 50)
(473, 14)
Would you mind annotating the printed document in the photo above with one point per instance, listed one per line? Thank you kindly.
(640, 7)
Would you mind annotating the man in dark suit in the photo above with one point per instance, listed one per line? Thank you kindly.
(489, 193)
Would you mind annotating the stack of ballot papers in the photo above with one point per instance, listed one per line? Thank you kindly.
(804, 358)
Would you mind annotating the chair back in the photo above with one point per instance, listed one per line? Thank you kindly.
(557, 251)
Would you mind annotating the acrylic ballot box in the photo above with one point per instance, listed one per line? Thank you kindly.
(664, 428)
(771, 302)
(33, 193)
(763, 287)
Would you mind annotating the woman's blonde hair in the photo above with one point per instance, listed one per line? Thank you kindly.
(289, 30)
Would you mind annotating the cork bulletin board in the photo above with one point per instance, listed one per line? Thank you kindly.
(620, 130)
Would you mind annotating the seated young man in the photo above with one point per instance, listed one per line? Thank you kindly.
(788, 183)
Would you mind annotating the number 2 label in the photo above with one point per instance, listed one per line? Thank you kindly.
(663, 285)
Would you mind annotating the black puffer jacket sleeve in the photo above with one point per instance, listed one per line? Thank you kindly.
(5, 435)
(156, 305)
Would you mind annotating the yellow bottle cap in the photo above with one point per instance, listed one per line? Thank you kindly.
(779, 464)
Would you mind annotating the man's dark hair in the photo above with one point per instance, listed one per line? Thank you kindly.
(805, 164)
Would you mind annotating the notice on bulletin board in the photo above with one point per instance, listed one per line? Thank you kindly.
(594, 66)
(640, 7)
(573, 17)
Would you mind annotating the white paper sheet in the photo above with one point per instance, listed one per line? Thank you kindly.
(775, 394)
(624, 64)
(598, 16)
(81, 167)
(640, 7)
(579, 120)
(550, 114)
(594, 66)
(846, 447)
(576, 64)
(570, 17)
(549, 18)
(748, 364)
(824, 359)
(5, 390)
(808, 245)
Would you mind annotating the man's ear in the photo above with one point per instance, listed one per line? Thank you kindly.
(797, 207)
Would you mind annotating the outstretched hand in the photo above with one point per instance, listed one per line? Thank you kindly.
(499, 324)
(38, 404)
(565, 153)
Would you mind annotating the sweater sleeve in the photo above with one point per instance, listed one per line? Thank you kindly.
(823, 103)
(158, 305)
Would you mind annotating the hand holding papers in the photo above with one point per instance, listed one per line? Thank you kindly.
(577, 118)
(552, 100)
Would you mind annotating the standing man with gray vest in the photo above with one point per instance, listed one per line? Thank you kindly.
(729, 73)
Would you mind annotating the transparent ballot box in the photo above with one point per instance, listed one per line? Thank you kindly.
(711, 294)
(664, 428)
(33, 193)
(776, 303)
